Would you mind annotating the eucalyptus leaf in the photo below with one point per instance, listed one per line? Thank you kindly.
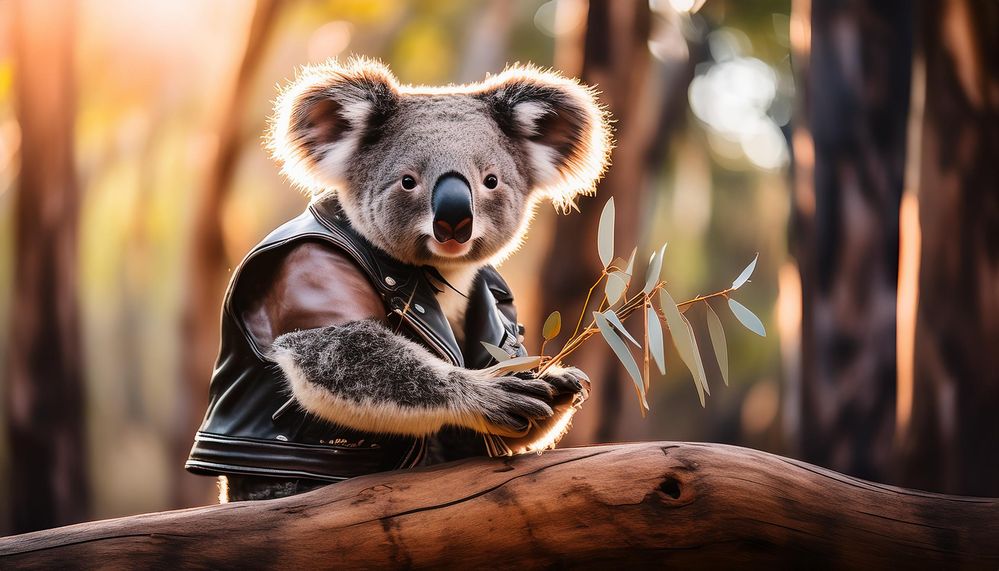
(625, 356)
(682, 339)
(497, 353)
(615, 286)
(552, 327)
(616, 322)
(698, 363)
(655, 268)
(746, 273)
(631, 262)
(514, 365)
(656, 340)
(605, 234)
(747, 318)
(718, 343)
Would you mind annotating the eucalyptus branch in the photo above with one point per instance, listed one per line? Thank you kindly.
(638, 301)
(586, 303)
(629, 307)
(657, 318)
(722, 293)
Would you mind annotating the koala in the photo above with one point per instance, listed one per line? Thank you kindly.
(368, 310)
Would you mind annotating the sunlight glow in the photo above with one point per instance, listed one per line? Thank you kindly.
(329, 41)
(910, 245)
(759, 409)
(734, 97)
(560, 17)
(789, 329)
(682, 5)
(677, 6)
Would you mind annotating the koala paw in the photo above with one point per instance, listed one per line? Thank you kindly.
(567, 381)
(509, 404)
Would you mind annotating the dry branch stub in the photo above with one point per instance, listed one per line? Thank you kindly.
(644, 504)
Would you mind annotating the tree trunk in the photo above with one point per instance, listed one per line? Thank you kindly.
(953, 436)
(615, 60)
(638, 505)
(45, 398)
(208, 262)
(849, 150)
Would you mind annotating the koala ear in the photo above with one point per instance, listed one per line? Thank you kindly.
(565, 133)
(321, 118)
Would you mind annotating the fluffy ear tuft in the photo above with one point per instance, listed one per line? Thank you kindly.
(322, 116)
(565, 131)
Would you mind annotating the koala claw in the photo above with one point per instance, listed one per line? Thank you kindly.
(568, 381)
(528, 385)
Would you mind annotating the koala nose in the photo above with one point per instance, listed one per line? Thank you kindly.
(451, 202)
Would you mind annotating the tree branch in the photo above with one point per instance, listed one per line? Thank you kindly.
(641, 504)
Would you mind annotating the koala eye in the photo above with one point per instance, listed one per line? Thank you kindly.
(491, 181)
(408, 182)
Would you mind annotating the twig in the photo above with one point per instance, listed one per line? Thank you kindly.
(586, 303)
(723, 293)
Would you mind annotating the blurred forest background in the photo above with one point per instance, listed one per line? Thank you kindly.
(852, 144)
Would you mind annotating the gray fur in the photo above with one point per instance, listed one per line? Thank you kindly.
(363, 362)
(238, 488)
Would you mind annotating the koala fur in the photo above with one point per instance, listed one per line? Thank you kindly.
(352, 129)
(330, 371)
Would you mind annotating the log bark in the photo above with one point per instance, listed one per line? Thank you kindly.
(645, 504)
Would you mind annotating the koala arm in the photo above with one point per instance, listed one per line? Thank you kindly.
(315, 314)
(362, 375)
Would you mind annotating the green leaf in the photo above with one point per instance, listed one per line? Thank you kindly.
(614, 288)
(683, 339)
(552, 327)
(655, 268)
(747, 318)
(514, 365)
(744, 276)
(616, 322)
(621, 350)
(605, 234)
(656, 340)
(718, 343)
(497, 353)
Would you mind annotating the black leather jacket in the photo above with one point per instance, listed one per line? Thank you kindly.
(252, 427)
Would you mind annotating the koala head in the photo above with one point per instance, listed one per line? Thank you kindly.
(443, 176)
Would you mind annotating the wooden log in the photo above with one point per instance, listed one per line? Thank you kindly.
(645, 504)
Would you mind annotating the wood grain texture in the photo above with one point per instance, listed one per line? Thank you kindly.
(645, 504)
